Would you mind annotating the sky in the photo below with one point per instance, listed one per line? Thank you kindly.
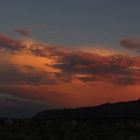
(63, 54)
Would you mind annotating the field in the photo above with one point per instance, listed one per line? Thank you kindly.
(26, 129)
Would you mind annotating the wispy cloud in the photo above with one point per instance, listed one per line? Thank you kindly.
(131, 43)
(22, 31)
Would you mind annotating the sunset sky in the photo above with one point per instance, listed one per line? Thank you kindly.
(67, 53)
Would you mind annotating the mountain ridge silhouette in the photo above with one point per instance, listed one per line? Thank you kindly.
(129, 109)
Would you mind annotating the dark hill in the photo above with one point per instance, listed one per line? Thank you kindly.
(129, 109)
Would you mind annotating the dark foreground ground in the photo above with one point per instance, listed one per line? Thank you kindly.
(70, 129)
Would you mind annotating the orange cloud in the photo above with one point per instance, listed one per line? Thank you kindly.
(73, 65)
(58, 76)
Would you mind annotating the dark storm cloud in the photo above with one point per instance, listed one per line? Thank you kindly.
(23, 32)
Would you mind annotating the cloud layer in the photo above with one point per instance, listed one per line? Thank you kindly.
(73, 65)
(62, 77)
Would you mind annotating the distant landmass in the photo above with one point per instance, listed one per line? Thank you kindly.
(130, 109)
